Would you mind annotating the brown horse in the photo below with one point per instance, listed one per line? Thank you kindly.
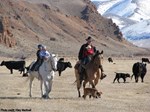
(92, 71)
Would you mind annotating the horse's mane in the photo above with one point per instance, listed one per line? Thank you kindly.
(96, 54)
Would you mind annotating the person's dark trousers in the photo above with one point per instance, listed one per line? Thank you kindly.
(82, 69)
(36, 65)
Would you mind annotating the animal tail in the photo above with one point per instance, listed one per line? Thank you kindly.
(132, 76)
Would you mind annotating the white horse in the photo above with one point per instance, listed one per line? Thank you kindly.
(45, 75)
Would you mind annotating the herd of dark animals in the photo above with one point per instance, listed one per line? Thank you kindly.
(139, 70)
(20, 66)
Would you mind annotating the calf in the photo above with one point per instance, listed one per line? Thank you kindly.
(145, 60)
(61, 66)
(17, 65)
(121, 75)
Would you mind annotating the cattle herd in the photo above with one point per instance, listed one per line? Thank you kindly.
(21, 66)
(139, 69)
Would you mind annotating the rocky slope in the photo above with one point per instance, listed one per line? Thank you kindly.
(62, 25)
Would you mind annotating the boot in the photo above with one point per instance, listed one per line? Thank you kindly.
(103, 76)
(102, 71)
(81, 77)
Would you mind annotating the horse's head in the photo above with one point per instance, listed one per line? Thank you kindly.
(52, 62)
(98, 58)
(55, 58)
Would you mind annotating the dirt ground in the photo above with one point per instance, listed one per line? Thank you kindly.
(123, 97)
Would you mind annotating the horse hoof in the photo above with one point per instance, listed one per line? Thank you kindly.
(45, 97)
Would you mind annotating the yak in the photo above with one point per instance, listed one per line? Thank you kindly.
(17, 65)
(139, 70)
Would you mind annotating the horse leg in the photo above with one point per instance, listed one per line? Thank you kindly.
(46, 84)
(92, 83)
(84, 83)
(78, 87)
(41, 84)
(97, 78)
(30, 85)
(79, 83)
(50, 85)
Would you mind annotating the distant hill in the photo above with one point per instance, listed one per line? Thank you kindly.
(62, 25)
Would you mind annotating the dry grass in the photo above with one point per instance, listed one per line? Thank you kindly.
(128, 97)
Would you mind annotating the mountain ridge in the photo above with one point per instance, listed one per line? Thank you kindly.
(132, 17)
(62, 31)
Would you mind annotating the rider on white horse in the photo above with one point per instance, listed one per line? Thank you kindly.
(42, 54)
(39, 60)
(45, 72)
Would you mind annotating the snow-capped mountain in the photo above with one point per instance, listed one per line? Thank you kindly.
(132, 17)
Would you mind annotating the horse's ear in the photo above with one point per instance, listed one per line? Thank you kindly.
(97, 52)
(56, 55)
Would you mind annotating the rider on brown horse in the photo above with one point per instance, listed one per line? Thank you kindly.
(86, 52)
